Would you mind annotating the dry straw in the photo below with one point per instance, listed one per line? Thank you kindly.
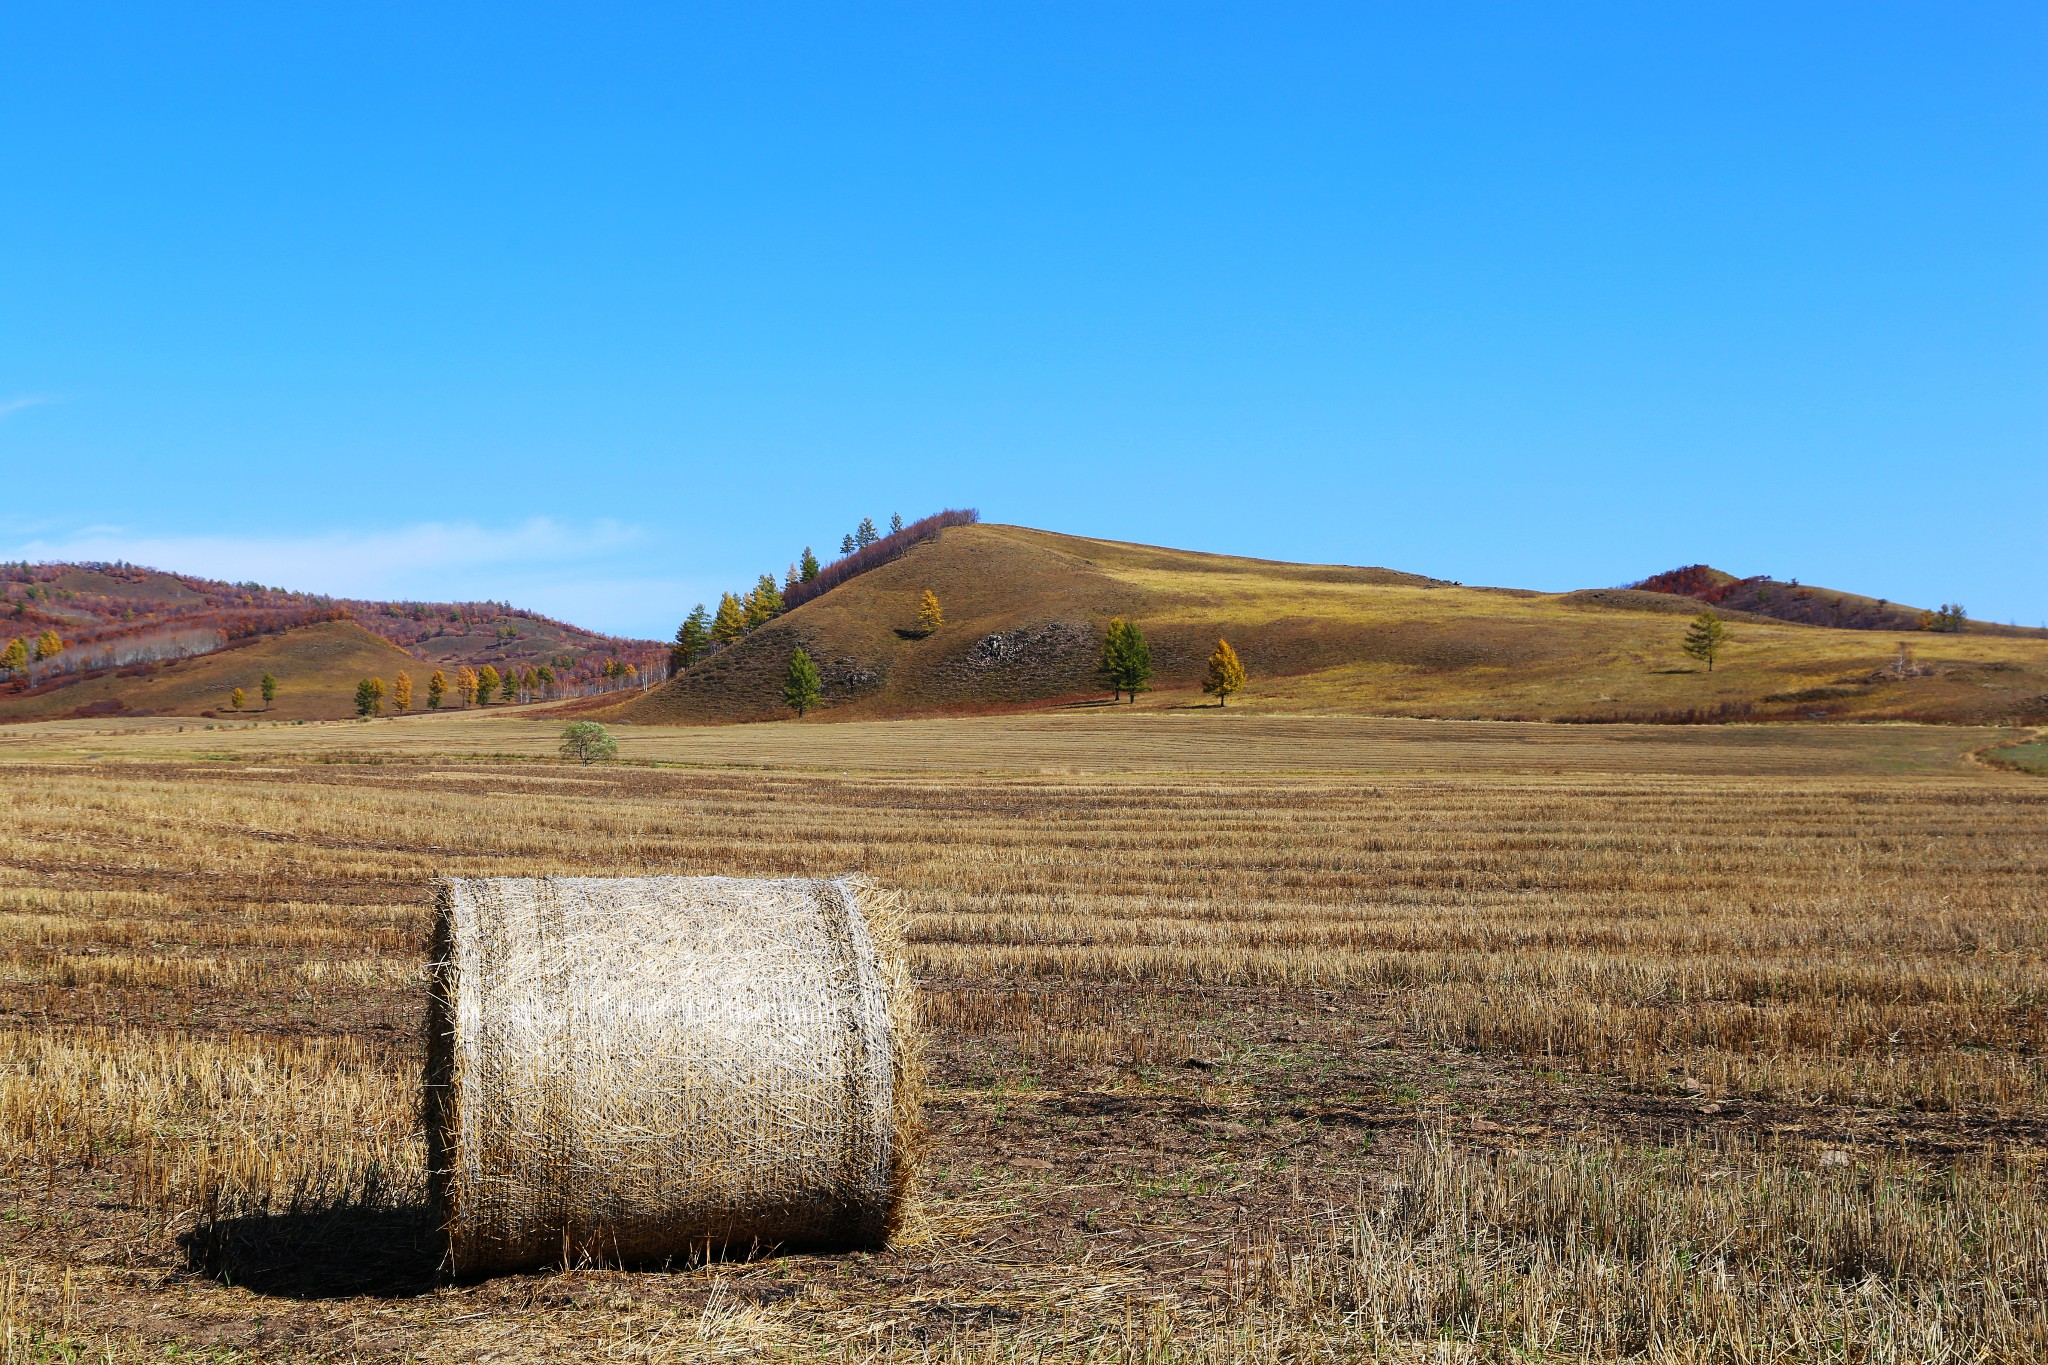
(650, 1069)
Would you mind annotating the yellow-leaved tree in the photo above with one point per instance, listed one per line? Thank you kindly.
(1226, 673)
(235, 699)
(465, 685)
(401, 693)
(929, 617)
(437, 688)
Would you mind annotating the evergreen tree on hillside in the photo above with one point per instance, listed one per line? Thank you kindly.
(437, 688)
(267, 685)
(808, 569)
(731, 621)
(801, 686)
(764, 603)
(1704, 638)
(1226, 673)
(895, 522)
(369, 696)
(693, 636)
(790, 580)
(1125, 665)
(865, 534)
(846, 545)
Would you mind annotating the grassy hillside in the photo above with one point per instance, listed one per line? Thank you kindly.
(1025, 611)
(113, 615)
(317, 668)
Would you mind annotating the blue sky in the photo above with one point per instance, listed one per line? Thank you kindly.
(602, 309)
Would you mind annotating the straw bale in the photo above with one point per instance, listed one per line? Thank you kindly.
(648, 1069)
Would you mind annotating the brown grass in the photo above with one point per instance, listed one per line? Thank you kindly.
(1737, 1064)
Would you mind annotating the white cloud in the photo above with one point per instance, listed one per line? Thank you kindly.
(10, 406)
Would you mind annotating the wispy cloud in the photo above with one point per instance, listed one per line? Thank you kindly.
(10, 406)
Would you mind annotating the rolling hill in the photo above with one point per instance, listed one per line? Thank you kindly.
(1025, 610)
(129, 630)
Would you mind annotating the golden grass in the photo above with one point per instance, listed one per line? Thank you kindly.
(210, 997)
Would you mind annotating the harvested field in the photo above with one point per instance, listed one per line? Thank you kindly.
(1536, 1042)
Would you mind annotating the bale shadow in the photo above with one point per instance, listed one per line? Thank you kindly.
(381, 1250)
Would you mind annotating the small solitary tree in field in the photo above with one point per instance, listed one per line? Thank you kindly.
(267, 685)
(486, 685)
(1226, 673)
(801, 686)
(1704, 638)
(588, 742)
(929, 617)
(401, 693)
(369, 697)
(437, 688)
(235, 699)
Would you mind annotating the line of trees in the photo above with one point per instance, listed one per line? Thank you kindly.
(470, 686)
(706, 631)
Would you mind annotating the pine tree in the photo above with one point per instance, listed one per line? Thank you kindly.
(401, 693)
(895, 522)
(846, 546)
(236, 697)
(808, 568)
(369, 696)
(1704, 638)
(865, 534)
(465, 685)
(1226, 674)
(801, 686)
(790, 580)
(437, 688)
(693, 636)
(487, 681)
(267, 685)
(1137, 662)
(731, 621)
(929, 617)
(764, 603)
(1126, 661)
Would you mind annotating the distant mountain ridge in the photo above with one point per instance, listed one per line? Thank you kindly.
(112, 617)
(1762, 595)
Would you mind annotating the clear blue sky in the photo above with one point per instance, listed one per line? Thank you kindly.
(602, 309)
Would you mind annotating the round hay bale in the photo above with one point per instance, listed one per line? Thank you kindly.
(647, 1069)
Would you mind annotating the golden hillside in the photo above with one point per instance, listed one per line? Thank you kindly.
(1025, 611)
(317, 668)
